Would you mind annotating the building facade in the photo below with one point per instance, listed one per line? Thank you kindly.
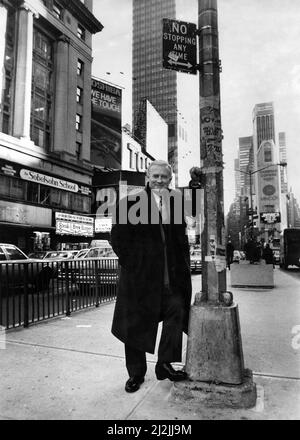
(293, 211)
(45, 102)
(268, 198)
(283, 159)
(263, 124)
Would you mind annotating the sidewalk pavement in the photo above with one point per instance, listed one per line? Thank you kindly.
(73, 368)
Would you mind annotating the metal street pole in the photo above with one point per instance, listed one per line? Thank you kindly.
(214, 348)
(213, 237)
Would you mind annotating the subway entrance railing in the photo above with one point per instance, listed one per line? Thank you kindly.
(36, 290)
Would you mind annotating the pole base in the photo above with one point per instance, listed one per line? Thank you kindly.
(214, 346)
(216, 395)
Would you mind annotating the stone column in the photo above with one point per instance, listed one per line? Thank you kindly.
(61, 115)
(3, 23)
(21, 125)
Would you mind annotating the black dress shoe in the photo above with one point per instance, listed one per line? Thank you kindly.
(133, 383)
(166, 371)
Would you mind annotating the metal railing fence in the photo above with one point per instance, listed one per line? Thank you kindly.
(36, 290)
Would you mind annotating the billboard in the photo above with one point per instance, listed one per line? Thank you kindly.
(106, 125)
(151, 130)
(156, 135)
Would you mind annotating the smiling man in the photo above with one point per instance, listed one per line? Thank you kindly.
(155, 280)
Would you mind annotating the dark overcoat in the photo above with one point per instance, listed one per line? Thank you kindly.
(141, 281)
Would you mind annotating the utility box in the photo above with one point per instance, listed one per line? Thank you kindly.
(252, 275)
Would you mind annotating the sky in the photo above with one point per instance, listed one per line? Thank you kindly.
(260, 53)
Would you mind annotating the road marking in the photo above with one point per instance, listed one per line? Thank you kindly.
(260, 405)
(83, 326)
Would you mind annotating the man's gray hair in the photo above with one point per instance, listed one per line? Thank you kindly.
(161, 163)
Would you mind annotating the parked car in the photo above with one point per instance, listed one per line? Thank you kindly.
(92, 266)
(54, 254)
(14, 262)
(196, 260)
(96, 252)
(242, 255)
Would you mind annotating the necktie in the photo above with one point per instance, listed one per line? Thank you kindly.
(161, 219)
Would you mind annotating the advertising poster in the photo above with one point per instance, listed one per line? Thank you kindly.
(106, 125)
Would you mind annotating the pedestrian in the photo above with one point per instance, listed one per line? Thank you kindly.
(268, 255)
(250, 250)
(229, 253)
(154, 283)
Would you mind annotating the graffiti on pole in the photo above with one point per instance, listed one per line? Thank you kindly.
(211, 136)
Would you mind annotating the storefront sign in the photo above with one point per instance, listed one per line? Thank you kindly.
(33, 176)
(24, 214)
(69, 224)
(103, 224)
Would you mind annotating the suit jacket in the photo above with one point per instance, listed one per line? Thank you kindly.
(141, 256)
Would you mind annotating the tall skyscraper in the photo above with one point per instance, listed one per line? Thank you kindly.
(151, 81)
(267, 178)
(263, 124)
(237, 176)
(170, 93)
(245, 163)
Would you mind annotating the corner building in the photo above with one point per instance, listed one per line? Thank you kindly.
(45, 103)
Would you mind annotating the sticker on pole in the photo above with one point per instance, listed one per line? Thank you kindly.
(179, 46)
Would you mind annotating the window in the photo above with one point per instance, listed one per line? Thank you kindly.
(14, 254)
(80, 32)
(79, 95)
(57, 10)
(78, 150)
(42, 90)
(11, 187)
(78, 122)
(80, 66)
(45, 192)
(268, 155)
(32, 192)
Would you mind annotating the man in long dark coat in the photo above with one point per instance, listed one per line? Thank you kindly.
(155, 280)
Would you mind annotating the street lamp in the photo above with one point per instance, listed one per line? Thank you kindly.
(250, 174)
